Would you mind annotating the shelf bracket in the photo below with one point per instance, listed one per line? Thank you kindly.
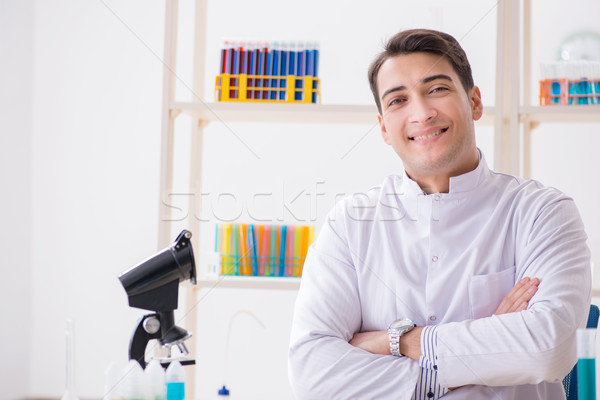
(174, 113)
(533, 124)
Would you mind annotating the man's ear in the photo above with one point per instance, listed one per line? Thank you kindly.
(476, 103)
(384, 133)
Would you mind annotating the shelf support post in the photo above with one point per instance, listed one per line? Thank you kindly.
(195, 202)
(167, 124)
(528, 125)
(527, 128)
(507, 151)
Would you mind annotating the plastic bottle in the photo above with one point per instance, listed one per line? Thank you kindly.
(175, 378)
(135, 383)
(586, 360)
(112, 378)
(597, 366)
(156, 380)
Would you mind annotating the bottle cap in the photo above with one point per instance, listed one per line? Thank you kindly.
(223, 391)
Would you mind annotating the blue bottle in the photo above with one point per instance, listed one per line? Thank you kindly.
(175, 380)
(586, 364)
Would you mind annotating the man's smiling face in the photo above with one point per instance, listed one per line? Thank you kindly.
(427, 117)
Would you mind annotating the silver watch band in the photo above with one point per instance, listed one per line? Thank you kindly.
(394, 336)
(397, 329)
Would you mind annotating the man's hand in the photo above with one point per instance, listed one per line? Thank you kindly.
(518, 298)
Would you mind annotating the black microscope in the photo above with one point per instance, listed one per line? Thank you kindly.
(153, 285)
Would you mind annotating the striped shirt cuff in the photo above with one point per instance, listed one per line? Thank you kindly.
(428, 359)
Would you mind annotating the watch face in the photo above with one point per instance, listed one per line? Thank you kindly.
(402, 324)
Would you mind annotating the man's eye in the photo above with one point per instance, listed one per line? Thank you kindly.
(439, 89)
(395, 101)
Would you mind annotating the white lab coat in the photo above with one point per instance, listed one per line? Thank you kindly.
(445, 259)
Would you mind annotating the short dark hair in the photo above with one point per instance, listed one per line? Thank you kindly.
(425, 41)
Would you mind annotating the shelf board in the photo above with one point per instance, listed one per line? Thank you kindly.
(566, 114)
(275, 112)
(248, 282)
(289, 113)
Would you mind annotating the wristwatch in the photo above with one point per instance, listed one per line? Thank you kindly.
(397, 329)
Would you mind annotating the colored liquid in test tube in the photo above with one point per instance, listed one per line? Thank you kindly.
(586, 364)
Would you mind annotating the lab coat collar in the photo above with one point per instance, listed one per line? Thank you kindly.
(402, 193)
(458, 184)
(470, 180)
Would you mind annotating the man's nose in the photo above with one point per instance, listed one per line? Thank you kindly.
(422, 111)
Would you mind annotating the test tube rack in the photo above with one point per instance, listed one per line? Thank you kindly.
(569, 91)
(261, 250)
(267, 88)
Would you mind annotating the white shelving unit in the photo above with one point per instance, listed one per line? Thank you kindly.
(275, 113)
(249, 282)
(512, 122)
(536, 115)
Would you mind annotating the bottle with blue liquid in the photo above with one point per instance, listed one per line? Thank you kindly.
(586, 364)
(175, 380)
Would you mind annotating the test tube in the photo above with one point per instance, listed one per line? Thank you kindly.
(586, 364)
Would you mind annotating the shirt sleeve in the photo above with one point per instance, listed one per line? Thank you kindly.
(537, 344)
(428, 385)
(428, 358)
(322, 364)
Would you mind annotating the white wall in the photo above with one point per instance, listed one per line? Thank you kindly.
(95, 163)
(85, 84)
(16, 52)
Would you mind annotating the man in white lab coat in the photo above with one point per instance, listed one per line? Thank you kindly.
(448, 280)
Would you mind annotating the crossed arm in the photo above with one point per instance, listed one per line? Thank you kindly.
(377, 342)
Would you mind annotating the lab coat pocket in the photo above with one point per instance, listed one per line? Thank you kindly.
(487, 291)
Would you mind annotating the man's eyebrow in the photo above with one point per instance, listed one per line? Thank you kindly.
(425, 80)
(436, 77)
(394, 89)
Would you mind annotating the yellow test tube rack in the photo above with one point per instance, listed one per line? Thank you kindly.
(267, 88)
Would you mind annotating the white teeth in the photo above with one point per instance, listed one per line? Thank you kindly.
(430, 135)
